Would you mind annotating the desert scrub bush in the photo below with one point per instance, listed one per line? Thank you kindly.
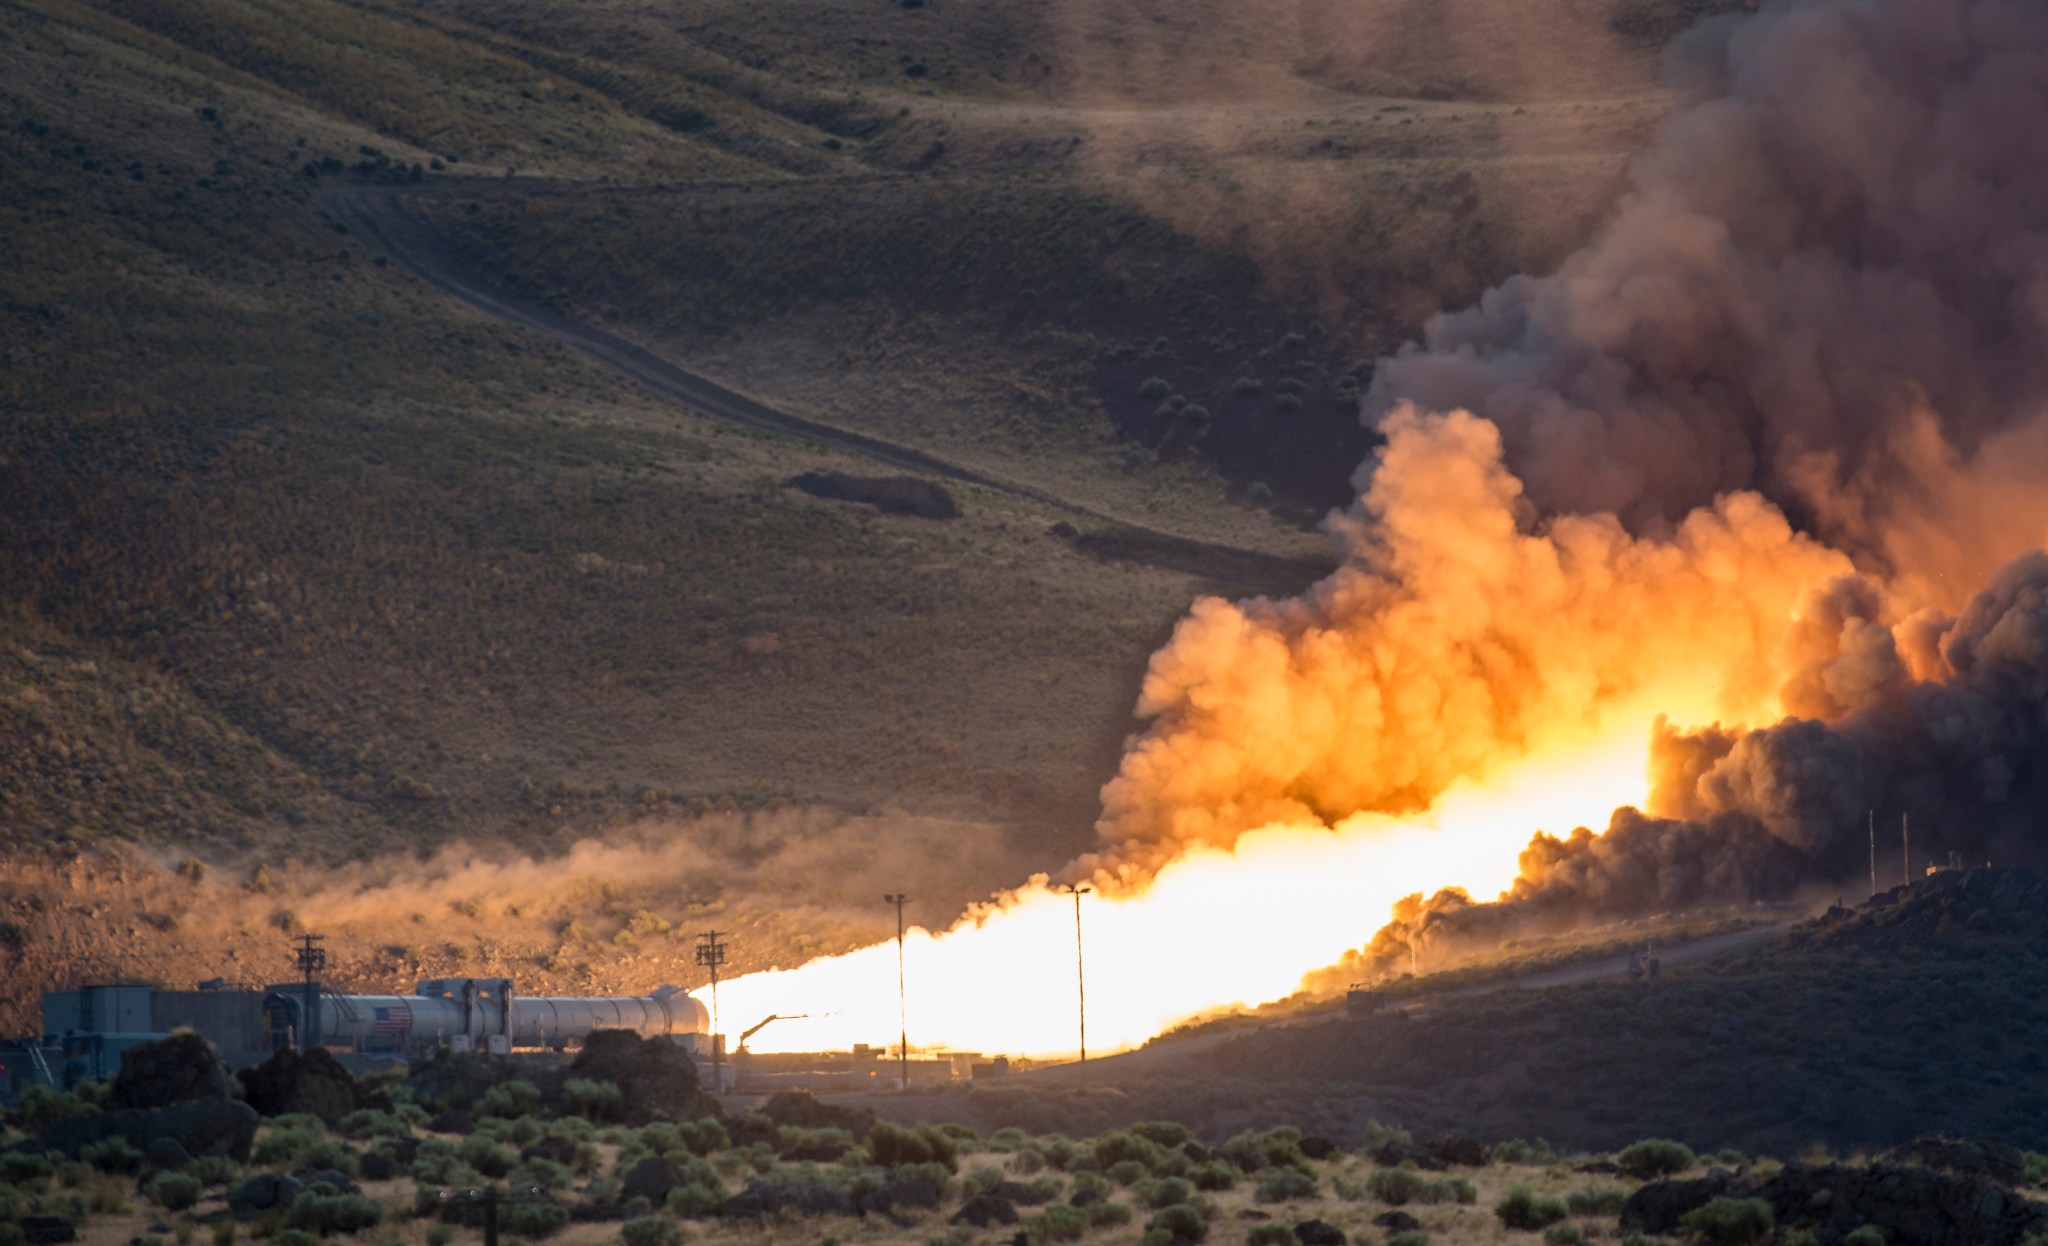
(701, 1193)
(1285, 1185)
(1179, 1223)
(440, 1234)
(1522, 1151)
(601, 1101)
(26, 1170)
(512, 1099)
(1166, 1134)
(115, 1154)
(1025, 1160)
(1213, 1176)
(1124, 1147)
(1008, 1138)
(651, 1231)
(535, 1220)
(1057, 1223)
(1871, 1235)
(478, 1151)
(1270, 1235)
(293, 1237)
(213, 1170)
(173, 1191)
(1127, 1172)
(1349, 1189)
(540, 1173)
(818, 1145)
(1059, 1150)
(284, 1146)
(326, 1214)
(1654, 1157)
(1596, 1200)
(1729, 1221)
(893, 1146)
(1730, 1156)
(371, 1123)
(1161, 1192)
(1108, 1215)
(39, 1107)
(1091, 1186)
(1255, 1150)
(1521, 1208)
(1566, 1234)
(982, 1177)
(1154, 387)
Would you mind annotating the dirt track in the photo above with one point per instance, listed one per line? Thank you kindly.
(378, 216)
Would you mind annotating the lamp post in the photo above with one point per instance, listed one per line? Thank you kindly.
(1080, 967)
(902, 1015)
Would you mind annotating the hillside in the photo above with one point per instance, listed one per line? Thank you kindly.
(309, 563)
(1863, 1029)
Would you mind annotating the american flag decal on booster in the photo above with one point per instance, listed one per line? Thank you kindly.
(395, 1020)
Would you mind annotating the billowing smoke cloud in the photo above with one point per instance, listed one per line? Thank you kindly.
(1829, 283)
(1731, 462)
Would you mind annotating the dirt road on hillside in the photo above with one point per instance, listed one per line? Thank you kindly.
(378, 216)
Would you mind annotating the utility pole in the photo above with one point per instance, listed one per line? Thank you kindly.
(311, 959)
(1873, 852)
(711, 954)
(902, 1013)
(1906, 848)
(1080, 967)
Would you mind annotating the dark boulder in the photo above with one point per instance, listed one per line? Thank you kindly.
(264, 1192)
(460, 1079)
(313, 1082)
(1086, 1198)
(766, 1197)
(1253, 1213)
(201, 1127)
(903, 1191)
(310, 1177)
(896, 495)
(657, 1078)
(178, 1069)
(46, 1230)
(453, 1121)
(1460, 1152)
(1994, 1161)
(379, 1166)
(554, 1148)
(1017, 1192)
(984, 1210)
(1658, 1206)
(1396, 1221)
(1917, 1206)
(1318, 1233)
(165, 1154)
(652, 1178)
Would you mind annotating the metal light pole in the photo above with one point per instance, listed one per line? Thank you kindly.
(1080, 966)
(311, 959)
(902, 1013)
(711, 954)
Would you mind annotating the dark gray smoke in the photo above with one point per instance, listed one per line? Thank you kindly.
(1829, 283)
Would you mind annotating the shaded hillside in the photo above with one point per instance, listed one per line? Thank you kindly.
(1908, 1016)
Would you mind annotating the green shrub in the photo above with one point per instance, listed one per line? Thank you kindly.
(1159, 1192)
(1283, 1185)
(486, 1156)
(542, 1173)
(984, 1177)
(1213, 1176)
(1008, 1138)
(649, 1231)
(706, 1136)
(1523, 1209)
(1255, 1151)
(115, 1154)
(1731, 1157)
(370, 1123)
(892, 1146)
(598, 1100)
(1108, 1215)
(1655, 1157)
(39, 1107)
(214, 1170)
(1091, 1183)
(1395, 1187)
(326, 1153)
(1563, 1235)
(1166, 1134)
(535, 1220)
(293, 1237)
(1059, 1151)
(1179, 1223)
(510, 1100)
(1270, 1235)
(325, 1214)
(1127, 1172)
(1864, 1235)
(25, 1169)
(282, 1145)
(440, 1234)
(1524, 1151)
(1596, 1200)
(1154, 387)
(174, 1191)
(1057, 1223)
(698, 1198)
(1123, 1147)
(1729, 1221)
(1024, 1160)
